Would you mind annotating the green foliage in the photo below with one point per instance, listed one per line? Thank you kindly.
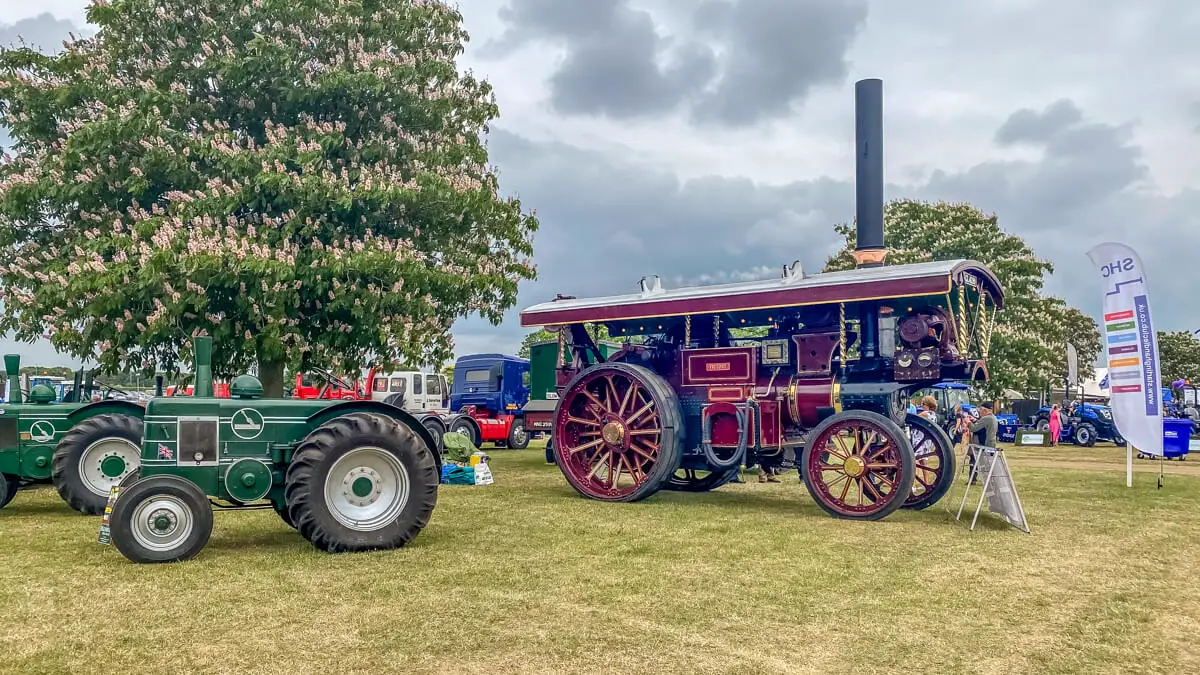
(1028, 348)
(304, 181)
(1179, 356)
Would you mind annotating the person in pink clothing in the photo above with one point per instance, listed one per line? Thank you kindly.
(1055, 424)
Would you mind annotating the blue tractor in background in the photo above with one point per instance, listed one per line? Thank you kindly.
(490, 391)
(950, 394)
(1083, 424)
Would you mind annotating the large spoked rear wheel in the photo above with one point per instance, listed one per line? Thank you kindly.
(858, 465)
(95, 455)
(699, 480)
(934, 463)
(361, 482)
(161, 519)
(618, 428)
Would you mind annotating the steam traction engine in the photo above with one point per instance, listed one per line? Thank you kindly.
(823, 386)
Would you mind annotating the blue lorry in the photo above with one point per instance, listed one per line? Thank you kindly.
(490, 391)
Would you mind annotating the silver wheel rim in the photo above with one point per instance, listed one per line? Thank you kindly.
(465, 431)
(360, 509)
(519, 436)
(162, 523)
(92, 459)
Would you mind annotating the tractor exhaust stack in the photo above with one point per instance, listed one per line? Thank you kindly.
(869, 250)
(12, 367)
(202, 347)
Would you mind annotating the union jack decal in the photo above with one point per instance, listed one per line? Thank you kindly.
(164, 452)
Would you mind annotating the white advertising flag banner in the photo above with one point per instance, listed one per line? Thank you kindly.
(1131, 348)
(1072, 364)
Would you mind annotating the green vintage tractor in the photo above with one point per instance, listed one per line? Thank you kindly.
(348, 475)
(82, 448)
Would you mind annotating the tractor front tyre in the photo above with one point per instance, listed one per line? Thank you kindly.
(550, 450)
(1043, 424)
(8, 488)
(518, 438)
(361, 482)
(95, 455)
(161, 519)
(1085, 435)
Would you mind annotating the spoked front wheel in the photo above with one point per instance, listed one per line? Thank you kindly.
(858, 465)
(934, 463)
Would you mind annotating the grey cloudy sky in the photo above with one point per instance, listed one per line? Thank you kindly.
(711, 140)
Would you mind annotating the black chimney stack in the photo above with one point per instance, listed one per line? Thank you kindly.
(869, 250)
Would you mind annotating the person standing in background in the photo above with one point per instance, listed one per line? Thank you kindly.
(1055, 424)
(929, 409)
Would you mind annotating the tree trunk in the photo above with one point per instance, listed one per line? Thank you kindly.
(270, 373)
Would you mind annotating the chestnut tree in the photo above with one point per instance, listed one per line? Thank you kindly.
(304, 180)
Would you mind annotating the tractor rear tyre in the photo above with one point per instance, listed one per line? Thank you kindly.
(464, 426)
(95, 455)
(1085, 434)
(361, 482)
(8, 488)
(284, 515)
(161, 519)
(858, 465)
(699, 480)
(518, 438)
(935, 463)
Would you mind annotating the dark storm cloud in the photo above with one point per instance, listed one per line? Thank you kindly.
(612, 65)
(1033, 126)
(776, 51)
(1089, 186)
(43, 32)
(605, 222)
(619, 64)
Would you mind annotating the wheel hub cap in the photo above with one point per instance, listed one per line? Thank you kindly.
(162, 522)
(112, 466)
(613, 433)
(362, 486)
(855, 466)
(105, 462)
(366, 489)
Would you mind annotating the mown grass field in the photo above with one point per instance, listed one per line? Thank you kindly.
(524, 576)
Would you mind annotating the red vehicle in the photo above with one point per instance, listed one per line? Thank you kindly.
(322, 384)
(220, 390)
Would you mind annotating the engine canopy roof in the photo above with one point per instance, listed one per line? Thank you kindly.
(751, 298)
